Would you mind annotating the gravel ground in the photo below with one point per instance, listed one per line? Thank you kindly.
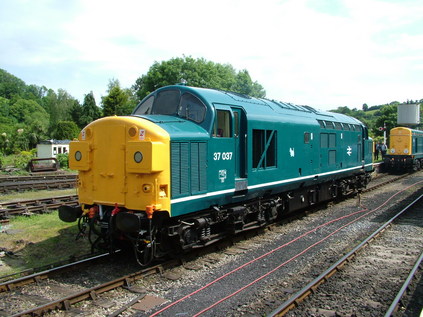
(33, 295)
(262, 297)
(368, 284)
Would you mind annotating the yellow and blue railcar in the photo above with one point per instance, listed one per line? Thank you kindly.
(405, 150)
(192, 165)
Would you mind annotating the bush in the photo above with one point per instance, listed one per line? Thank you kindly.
(22, 159)
(63, 160)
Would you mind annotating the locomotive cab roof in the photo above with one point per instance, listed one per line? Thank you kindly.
(180, 103)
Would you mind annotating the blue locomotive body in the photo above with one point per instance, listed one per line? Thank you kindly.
(255, 148)
(192, 165)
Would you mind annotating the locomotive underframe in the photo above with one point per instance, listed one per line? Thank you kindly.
(156, 235)
(402, 163)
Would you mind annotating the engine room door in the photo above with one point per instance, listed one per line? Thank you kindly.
(240, 137)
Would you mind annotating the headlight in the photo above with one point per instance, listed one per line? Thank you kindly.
(405, 151)
(132, 132)
(138, 157)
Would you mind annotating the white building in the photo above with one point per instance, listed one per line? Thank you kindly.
(50, 148)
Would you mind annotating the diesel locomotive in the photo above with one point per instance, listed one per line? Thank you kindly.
(405, 150)
(193, 165)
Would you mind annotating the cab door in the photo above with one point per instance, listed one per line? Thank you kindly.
(228, 149)
(222, 166)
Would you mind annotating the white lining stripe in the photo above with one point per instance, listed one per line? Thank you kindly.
(227, 191)
(220, 192)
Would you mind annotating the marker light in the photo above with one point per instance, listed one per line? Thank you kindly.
(138, 157)
(78, 156)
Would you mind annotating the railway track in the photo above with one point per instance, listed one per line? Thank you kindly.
(399, 303)
(29, 178)
(25, 279)
(26, 207)
(127, 281)
(407, 260)
(23, 183)
(382, 180)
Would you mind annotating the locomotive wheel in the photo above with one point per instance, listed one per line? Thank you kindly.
(95, 230)
(144, 252)
(99, 239)
(83, 224)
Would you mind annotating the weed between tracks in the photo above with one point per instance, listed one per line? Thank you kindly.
(38, 240)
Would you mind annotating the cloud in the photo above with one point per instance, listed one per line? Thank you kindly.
(303, 51)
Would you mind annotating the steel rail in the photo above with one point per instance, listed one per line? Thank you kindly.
(124, 281)
(203, 251)
(45, 184)
(404, 287)
(323, 277)
(36, 277)
(36, 205)
(14, 179)
(384, 183)
(18, 204)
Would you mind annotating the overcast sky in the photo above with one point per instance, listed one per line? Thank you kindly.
(320, 53)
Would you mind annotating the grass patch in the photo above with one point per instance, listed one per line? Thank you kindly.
(37, 241)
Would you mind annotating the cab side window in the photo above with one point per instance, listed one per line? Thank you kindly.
(222, 125)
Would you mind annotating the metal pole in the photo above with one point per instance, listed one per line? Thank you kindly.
(384, 133)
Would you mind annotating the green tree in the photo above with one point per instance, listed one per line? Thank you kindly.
(6, 125)
(244, 85)
(4, 109)
(358, 114)
(30, 123)
(59, 105)
(344, 110)
(89, 110)
(76, 114)
(10, 86)
(385, 116)
(198, 73)
(36, 131)
(118, 101)
(26, 111)
(66, 130)
(34, 92)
